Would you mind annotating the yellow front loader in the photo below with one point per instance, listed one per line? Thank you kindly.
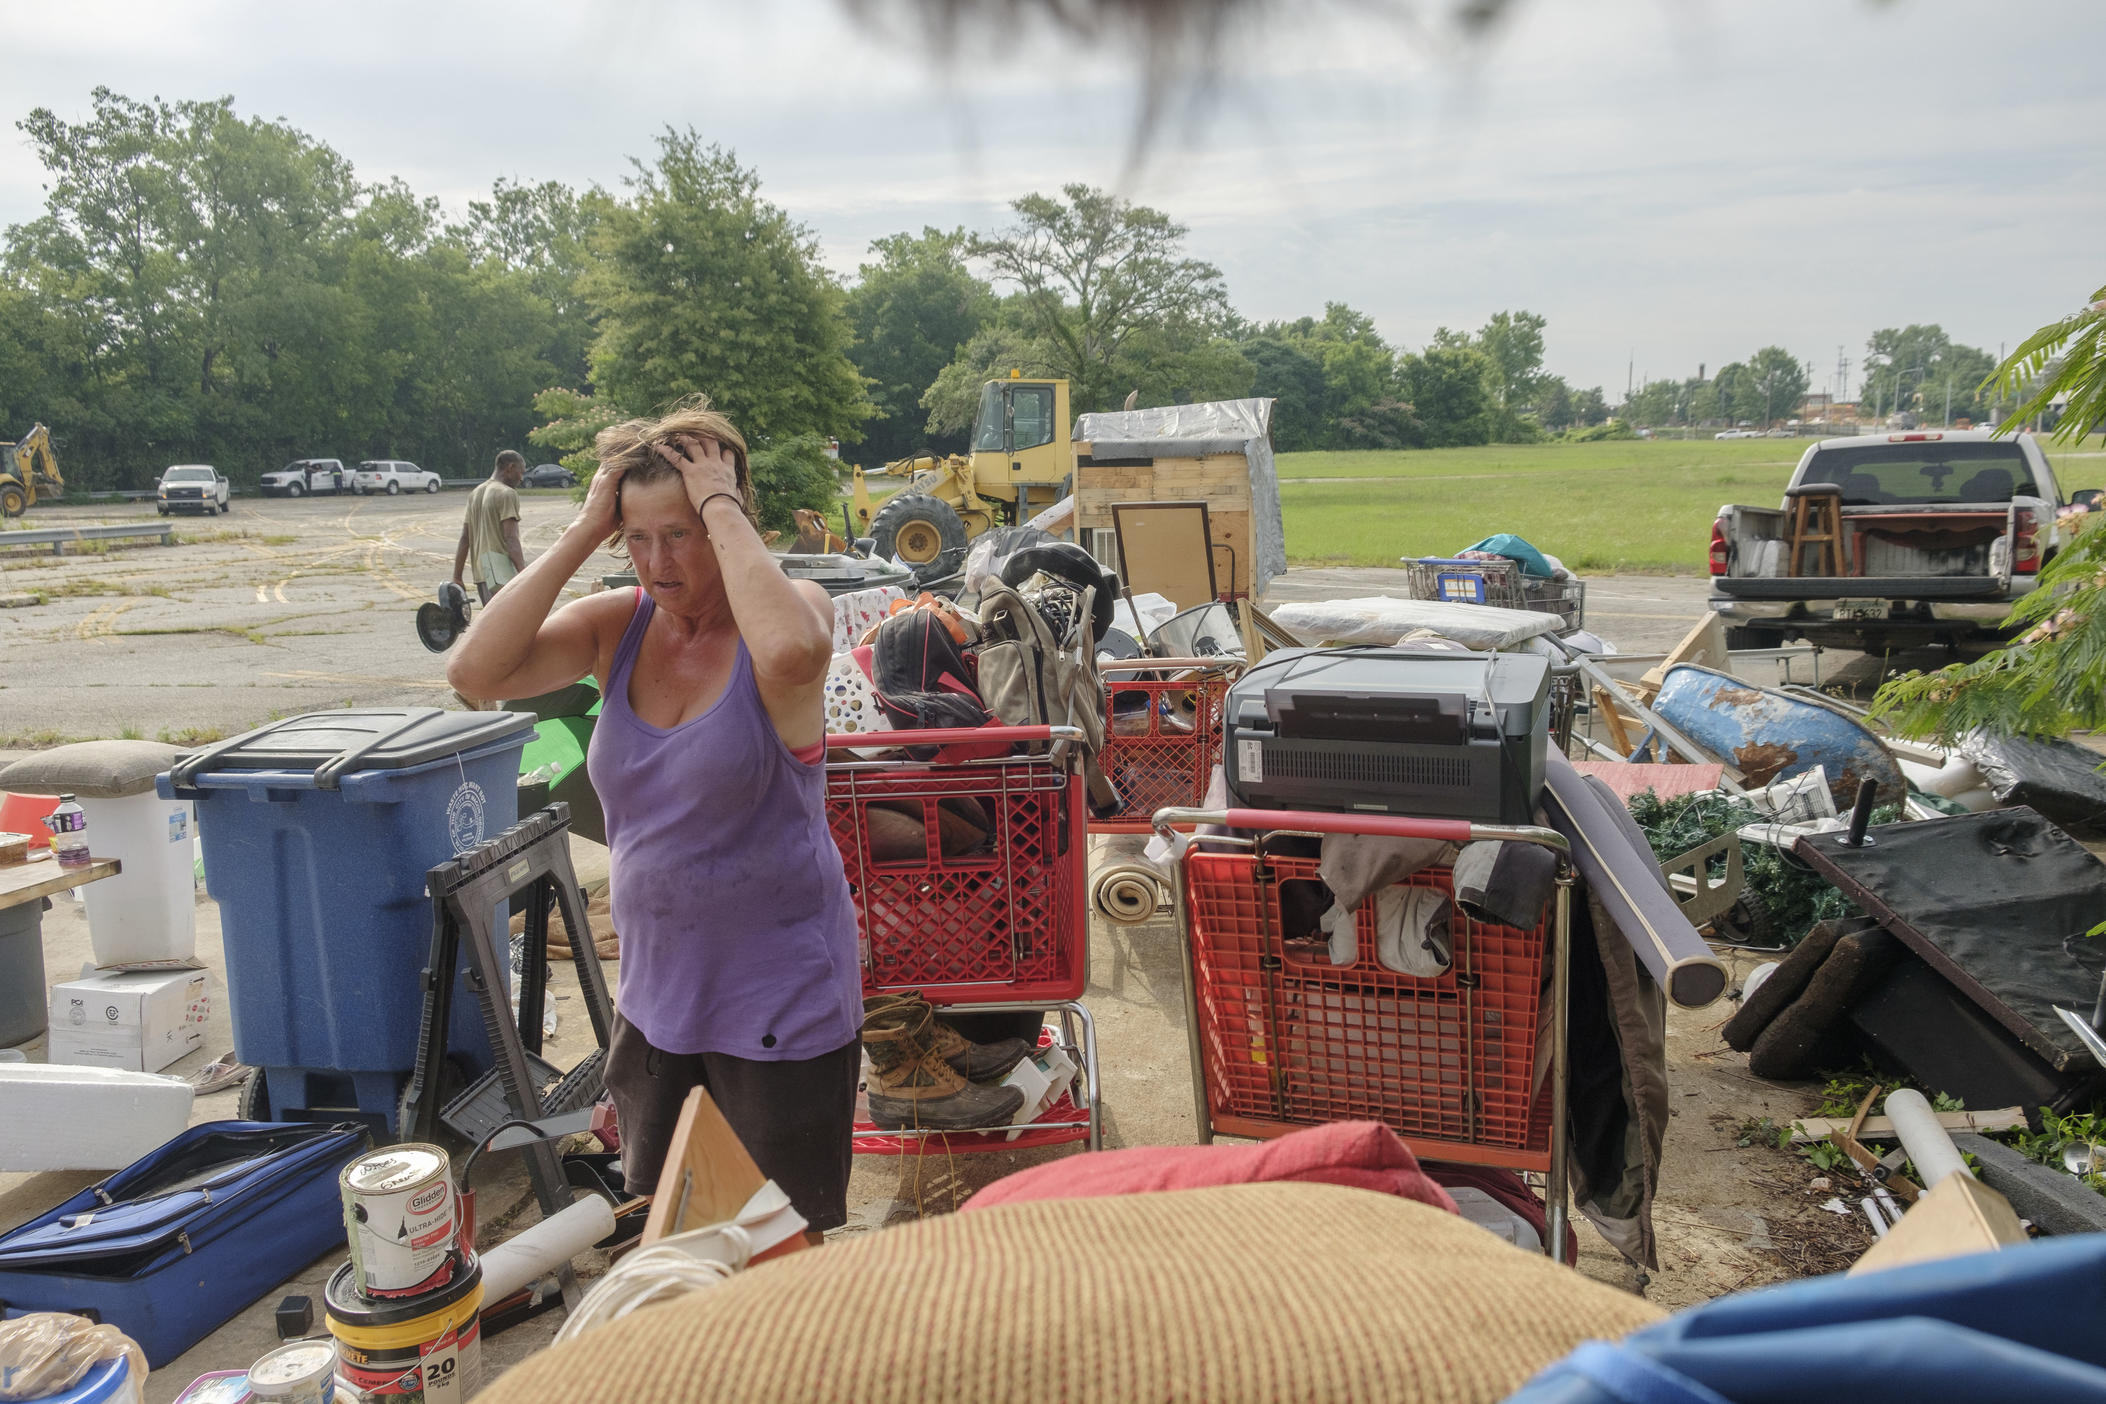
(28, 469)
(1021, 461)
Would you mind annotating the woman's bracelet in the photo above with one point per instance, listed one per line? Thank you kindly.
(733, 497)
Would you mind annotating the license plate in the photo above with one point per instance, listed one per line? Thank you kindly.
(1863, 609)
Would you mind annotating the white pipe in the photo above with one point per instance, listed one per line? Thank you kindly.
(545, 1247)
(1916, 1126)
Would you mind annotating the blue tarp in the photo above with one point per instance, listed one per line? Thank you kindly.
(2021, 1323)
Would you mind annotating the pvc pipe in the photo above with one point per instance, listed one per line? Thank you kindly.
(545, 1247)
(1916, 1126)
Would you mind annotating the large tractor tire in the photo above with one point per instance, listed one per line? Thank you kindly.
(13, 501)
(917, 529)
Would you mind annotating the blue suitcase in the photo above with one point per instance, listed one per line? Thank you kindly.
(177, 1243)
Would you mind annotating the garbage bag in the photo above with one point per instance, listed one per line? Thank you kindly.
(44, 1353)
(2058, 779)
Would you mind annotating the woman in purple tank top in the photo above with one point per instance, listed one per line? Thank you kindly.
(739, 967)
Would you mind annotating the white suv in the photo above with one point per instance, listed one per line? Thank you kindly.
(392, 476)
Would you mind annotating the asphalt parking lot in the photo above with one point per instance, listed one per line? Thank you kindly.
(282, 606)
(292, 605)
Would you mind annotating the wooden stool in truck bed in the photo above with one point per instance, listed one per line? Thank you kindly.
(1817, 521)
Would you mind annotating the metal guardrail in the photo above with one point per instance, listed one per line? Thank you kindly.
(57, 537)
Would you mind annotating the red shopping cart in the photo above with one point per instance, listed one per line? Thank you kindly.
(967, 876)
(1280, 1038)
(1162, 735)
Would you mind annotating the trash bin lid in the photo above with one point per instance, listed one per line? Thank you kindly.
(368, 738)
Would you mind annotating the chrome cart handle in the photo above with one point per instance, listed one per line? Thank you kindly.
(1381, 825)
(952, 735)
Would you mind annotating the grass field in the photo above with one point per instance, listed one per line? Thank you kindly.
(1629, 505)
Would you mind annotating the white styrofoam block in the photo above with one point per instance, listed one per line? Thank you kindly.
(1043, 1077)
(62, 1117)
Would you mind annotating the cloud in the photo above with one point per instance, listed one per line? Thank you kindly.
(1674, 182)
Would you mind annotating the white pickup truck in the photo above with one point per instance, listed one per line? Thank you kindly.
(1942, 531)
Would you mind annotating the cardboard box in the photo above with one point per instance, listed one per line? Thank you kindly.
(141, 1021)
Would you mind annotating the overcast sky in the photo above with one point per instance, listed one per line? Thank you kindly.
(1677, 183)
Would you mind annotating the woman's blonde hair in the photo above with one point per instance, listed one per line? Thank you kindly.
(632, 446)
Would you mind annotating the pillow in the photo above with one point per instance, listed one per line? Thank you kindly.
(1358, 1154)
(1232, 1294)
(91, 769)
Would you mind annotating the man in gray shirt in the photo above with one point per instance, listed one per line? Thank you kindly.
(490, 533)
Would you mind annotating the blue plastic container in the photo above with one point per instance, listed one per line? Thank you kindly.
(318, 832)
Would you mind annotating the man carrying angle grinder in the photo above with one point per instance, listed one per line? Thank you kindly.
(490, 531)
(740, 970)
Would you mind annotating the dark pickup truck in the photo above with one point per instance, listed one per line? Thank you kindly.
(1942, 531)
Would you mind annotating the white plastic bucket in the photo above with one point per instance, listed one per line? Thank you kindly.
(148, 912)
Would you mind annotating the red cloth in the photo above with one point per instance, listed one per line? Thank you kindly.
(1357, 1154)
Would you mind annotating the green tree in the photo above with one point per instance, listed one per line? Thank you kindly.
(1449, 389)
(1288, 373)
(543, 233)
(1914, 369)
(1590, 407)
(911, 312)
(1514, 342)
(1106, 289)
(1779, 379)
(702, 285)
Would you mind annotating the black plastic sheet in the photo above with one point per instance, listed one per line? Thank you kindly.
(1997, 903)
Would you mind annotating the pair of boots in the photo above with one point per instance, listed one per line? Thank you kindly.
(925, 1074)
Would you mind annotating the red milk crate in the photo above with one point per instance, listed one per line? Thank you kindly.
(1162, 736)
(1000, 919)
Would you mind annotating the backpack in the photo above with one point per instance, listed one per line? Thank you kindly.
(1038, 667)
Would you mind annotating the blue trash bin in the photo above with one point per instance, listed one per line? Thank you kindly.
(317, 834)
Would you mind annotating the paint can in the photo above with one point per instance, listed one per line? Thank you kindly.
(399, 1219)
(301, 1373)
(426, 1349)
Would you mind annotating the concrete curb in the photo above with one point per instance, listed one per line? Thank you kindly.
(2055, 1203)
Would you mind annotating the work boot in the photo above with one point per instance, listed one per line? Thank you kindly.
(912, 1086)
(975, 1062)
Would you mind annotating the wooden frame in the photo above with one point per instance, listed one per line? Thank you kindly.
(1166, 548)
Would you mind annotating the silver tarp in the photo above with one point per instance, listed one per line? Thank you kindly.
(1182, 431)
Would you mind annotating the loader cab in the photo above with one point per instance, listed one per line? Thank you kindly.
(1020, 437)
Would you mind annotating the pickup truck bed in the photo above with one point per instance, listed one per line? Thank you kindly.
(1942, 532)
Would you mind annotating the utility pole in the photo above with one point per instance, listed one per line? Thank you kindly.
(1630, 375)
(1842, 376)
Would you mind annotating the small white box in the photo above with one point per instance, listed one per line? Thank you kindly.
(140, 1020)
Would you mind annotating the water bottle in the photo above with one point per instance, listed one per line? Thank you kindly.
(69, 833)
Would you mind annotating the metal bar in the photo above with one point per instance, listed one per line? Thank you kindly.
(1663, 729)
(1555, 1187)
(1380, 825)
(951, 735)
(1202, 1117)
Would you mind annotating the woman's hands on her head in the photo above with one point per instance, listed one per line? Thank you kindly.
(601, 513)
(708, 468)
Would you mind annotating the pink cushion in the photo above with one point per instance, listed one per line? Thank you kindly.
(1357, 1154)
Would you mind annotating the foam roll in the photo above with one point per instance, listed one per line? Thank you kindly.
(1127, 894)
(545, 1247)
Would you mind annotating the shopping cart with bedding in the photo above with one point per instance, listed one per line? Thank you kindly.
(1497, 582)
